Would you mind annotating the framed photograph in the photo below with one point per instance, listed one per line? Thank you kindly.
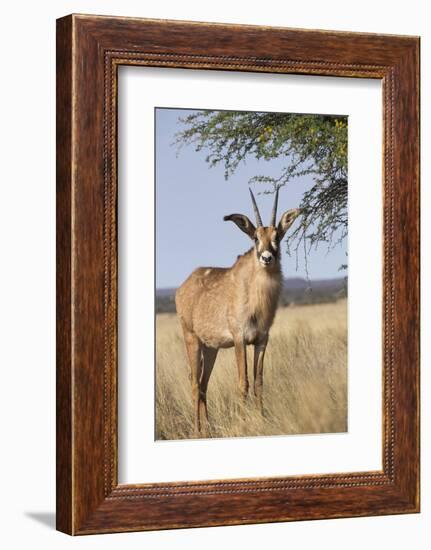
(237, 274)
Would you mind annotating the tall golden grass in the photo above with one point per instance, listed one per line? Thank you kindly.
(305, 379)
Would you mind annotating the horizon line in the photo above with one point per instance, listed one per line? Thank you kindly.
(284, 278)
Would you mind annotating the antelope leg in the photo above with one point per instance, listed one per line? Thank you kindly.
(259, 354)
(209, 357)
(241, 361)
(194, 352)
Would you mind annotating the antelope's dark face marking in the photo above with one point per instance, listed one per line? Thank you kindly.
(266, 243)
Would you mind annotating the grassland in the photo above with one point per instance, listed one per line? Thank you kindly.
(305, 379)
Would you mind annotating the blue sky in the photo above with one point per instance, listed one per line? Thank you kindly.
(191, 200)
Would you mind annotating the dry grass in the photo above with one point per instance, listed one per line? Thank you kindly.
(305, 379)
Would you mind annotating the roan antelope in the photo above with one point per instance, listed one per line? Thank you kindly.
(233, 307)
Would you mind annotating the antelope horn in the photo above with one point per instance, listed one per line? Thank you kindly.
(256, 210)
(274, 208)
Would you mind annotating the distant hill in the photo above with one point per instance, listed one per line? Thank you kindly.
(165, 292)
(317, 291)
(293, 283)
(295, 291)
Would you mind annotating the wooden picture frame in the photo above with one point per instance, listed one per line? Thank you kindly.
(89, 51)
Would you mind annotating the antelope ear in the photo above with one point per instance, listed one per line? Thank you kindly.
(286, 221)
(243, 223)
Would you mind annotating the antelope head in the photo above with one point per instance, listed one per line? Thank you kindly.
(266, 238)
